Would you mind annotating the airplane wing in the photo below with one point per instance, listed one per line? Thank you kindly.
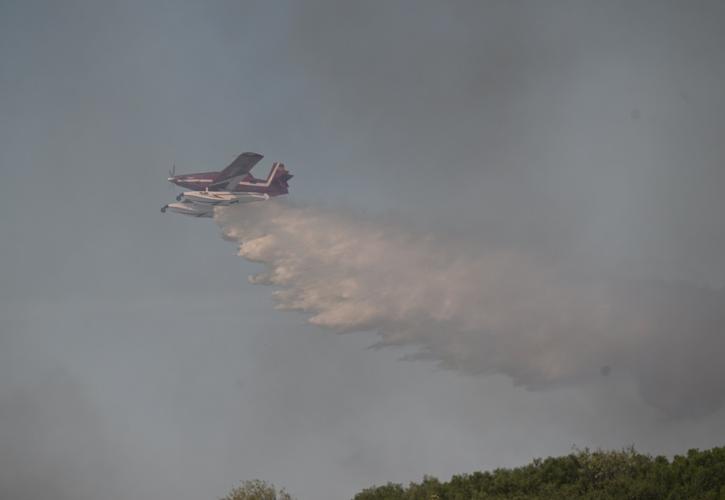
(236, 170)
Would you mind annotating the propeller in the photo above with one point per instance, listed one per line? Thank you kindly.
(172, 173)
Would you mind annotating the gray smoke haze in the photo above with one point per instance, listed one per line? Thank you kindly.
(53, 442)
(486, 311)
(584, 132)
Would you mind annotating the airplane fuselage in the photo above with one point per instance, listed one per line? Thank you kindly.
(195, 182)
(274, 185)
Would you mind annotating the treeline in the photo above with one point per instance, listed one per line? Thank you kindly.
(583, 474)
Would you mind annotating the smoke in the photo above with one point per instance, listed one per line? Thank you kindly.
(54, 443)
(484, 310)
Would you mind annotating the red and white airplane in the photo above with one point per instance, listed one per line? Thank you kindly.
(231, 186)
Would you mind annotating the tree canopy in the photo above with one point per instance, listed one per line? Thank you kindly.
(257, 490)
(583, 474)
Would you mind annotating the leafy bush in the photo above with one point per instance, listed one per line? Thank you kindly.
(257, 490)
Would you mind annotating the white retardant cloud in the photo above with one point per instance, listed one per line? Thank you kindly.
(485, 311)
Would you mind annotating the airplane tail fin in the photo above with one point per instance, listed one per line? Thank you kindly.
(279, 177)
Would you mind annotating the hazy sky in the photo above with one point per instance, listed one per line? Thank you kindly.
(583, 138)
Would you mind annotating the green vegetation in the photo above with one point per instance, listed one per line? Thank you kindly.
(257, 490)
(584, 474)
(600, 475)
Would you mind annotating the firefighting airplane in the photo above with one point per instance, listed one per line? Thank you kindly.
(231, 186)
